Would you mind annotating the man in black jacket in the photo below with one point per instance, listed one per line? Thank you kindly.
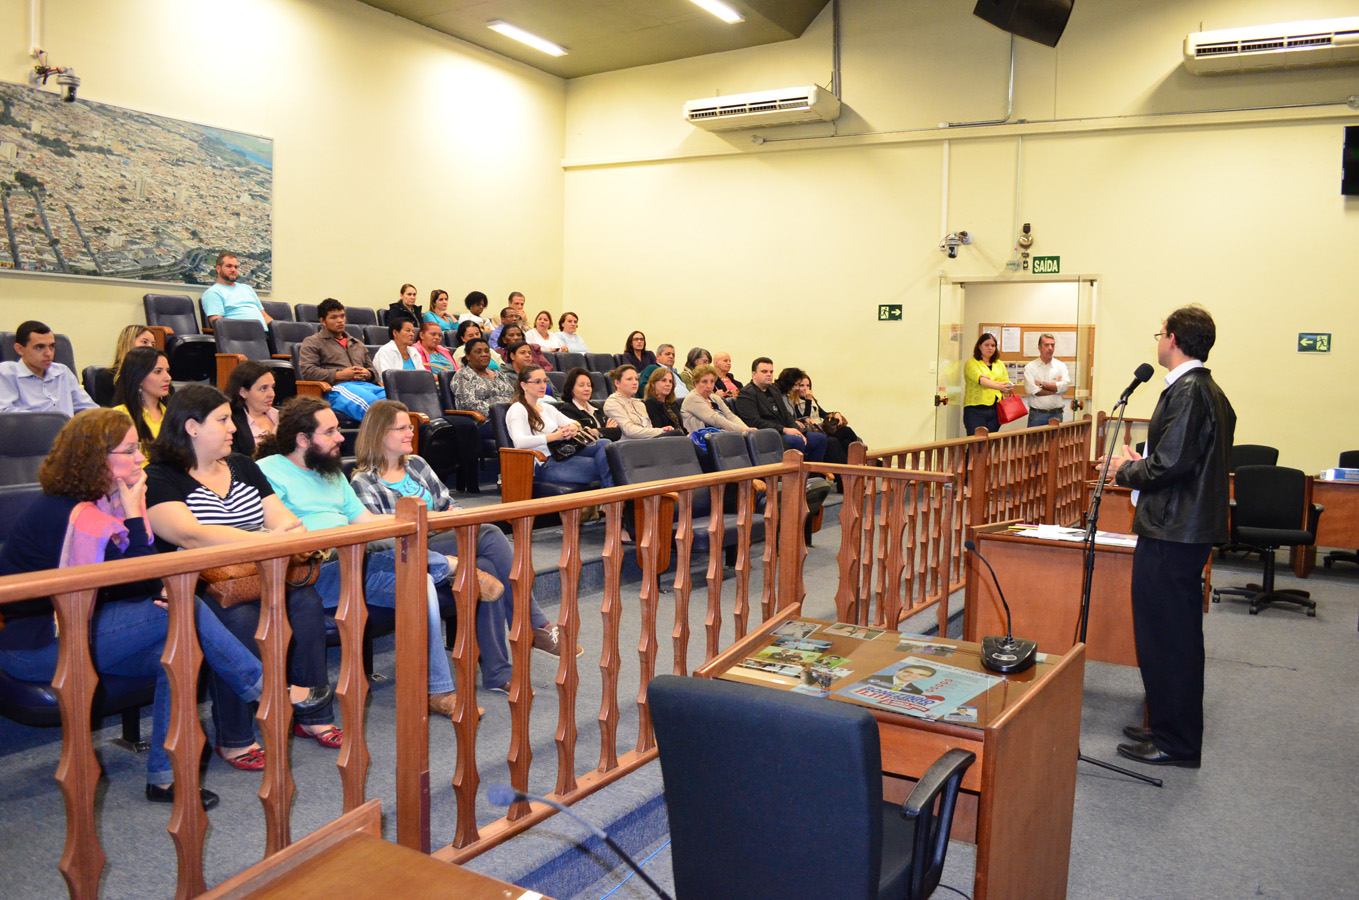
(759, 405)
(1181, 513)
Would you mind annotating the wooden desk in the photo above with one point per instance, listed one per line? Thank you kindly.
(1042, 582)
(349, 859)
(1338, 526)
(1025, 739)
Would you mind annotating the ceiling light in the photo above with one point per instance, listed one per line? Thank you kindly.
(721, 10)
(524, 37)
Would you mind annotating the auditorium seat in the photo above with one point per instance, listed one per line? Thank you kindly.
(25, 440)
(242, 339)
(286, 333)
(306, 312)
(192, 354)
(360, 315)
(278, 310)
(63, 353)
(98, 383)
(448, 439)
(517, 467)
(376, 334)
(766, 448)
(600, 362)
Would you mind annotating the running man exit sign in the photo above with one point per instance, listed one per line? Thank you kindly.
(1314, 342)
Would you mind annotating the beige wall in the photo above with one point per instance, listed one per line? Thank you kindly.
(787, 248)
(399, 154)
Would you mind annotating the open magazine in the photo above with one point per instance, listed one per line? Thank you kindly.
(920, 687)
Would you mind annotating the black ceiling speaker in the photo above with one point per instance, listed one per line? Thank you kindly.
(1038, 20)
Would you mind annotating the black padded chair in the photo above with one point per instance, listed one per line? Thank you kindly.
(566, 360)
(287, 334)
(1349, 459)
(1270, 510)
(376, 334)
(1246, 455)
(601, 386)
(192, 354)
(766, 448)
(600, 362)
(25, 440)
(517, 469)
(360, 315)
(278, 310)
(749, 774)
(246, 338)
(354, 331)
(98, 382)
(558, 381)
(447, 439)
(306, 312)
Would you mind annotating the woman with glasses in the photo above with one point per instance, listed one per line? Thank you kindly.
(533, 425)
(636, 354)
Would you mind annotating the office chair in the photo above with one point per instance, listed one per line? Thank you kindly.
(1270, 511)
(773, 794)
(1247, 455)
(1348, 460)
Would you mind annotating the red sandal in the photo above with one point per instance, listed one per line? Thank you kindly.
(332, 737)
(250, 761)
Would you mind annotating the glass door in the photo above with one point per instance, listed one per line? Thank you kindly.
(1082, 373)
(948, 363)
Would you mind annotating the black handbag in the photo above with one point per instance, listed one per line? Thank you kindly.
(563, 450)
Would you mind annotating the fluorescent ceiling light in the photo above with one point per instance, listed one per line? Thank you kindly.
(524, 37)
(721, 10)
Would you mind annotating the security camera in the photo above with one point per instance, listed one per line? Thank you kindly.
(69, 82)
(952, 242)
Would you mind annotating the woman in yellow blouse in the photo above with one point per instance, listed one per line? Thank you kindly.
(141, 390)
(985, 381)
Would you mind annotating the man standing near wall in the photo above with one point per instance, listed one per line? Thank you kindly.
(1046, 381)
(227, 299)
(1181, 513)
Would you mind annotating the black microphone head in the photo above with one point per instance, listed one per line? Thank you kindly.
(501, 794)
(971, 545)
(1144, 373)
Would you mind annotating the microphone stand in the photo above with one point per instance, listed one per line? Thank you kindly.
(1091, 529)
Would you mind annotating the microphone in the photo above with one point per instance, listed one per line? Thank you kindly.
(1141, 376)
(507, 795)
(1005, 654)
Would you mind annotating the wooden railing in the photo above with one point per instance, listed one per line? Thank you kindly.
(1134, 432)
(1034, 475)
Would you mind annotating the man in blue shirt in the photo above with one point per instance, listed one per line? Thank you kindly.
(35, 383)
(228, 299)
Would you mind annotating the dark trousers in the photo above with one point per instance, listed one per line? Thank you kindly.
(1167, 601)
(975, 417)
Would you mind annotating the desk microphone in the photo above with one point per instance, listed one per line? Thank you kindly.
(1005, 654)
(1140, 377)
(507, 795)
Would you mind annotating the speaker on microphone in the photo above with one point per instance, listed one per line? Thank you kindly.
(1038, 20)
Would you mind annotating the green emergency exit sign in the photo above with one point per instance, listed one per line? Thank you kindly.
(889, 312)
(1314, 342)
(1047, 265)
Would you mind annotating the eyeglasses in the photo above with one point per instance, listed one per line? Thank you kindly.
(1160, 334)
(406, 427)
(329, 432)
(129, 452)
(536, 381)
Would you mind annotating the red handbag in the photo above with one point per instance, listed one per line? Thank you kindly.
(1011, 408)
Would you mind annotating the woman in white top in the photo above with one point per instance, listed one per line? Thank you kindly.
(704, 409)
(533, 424)
(541, 336)
(568, 322)
(397, 353)
(629, 412)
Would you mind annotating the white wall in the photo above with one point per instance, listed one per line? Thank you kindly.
(786, 249)
(399, 154)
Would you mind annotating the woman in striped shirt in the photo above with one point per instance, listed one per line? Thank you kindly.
(200, 494)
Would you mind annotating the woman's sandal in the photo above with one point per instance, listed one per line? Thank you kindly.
(332, 737)
(251, 760)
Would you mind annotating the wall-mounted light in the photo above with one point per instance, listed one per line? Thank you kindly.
(525, 37)
(721, 10)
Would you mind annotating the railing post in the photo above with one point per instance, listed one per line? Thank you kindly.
(412, 679)
(851, 513)
(792, 545)
(978, 480)
(275, 712)
(182, 659)
(1052, 481)
(351, 617)
(82, 860)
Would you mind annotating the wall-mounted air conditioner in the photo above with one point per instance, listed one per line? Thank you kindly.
(788, 106)
(1288, 45)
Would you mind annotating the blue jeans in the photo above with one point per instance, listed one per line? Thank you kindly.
(127, 638)
(1039, 417)
(587, 466)
(233, 719)
(975, 417)
(812, 445)
(494, 555)
(379, 589)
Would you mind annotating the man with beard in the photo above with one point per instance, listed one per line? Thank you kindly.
(228, 299)
(302, 462)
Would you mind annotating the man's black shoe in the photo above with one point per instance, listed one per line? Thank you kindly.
(1137, 733)
(157, 794)
(1152, 755)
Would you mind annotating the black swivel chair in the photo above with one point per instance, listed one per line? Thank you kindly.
(1270, 511)
(1246, 455)
(25, 440)
(242, 339)
(192, 354)
(771, 794)
(1348, 460)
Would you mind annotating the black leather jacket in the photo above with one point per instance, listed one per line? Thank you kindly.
(1184, 479)
(761, 408)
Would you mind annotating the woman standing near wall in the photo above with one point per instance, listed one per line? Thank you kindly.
(985, 381)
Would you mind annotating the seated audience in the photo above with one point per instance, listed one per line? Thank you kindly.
(630, 413)
(431, 349)
(665, 359)
(229, 299)
(476, 303)
(476, 386)
(535, 425)
(386, 471)
(404, 308)
(697, 357)
(397, 353)
(703, 408)
(508, 316)
(250, 391)
(331, 355)
(140, 390)
(129, 337)
(576, 393)
(302, 462)
(466, 332)
(727, 386)
(568, 337)
(661, 404)
(200, 494)
(636, 354)
(93, 509)
(519, 356)
(833, 424)
(35, 383)
(514, 334)
(790, 395)
(541, 336)
(438, 311)
(760, 405)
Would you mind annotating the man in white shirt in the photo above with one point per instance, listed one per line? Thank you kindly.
(227, 299)
(1046, 381)
(35, 383)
